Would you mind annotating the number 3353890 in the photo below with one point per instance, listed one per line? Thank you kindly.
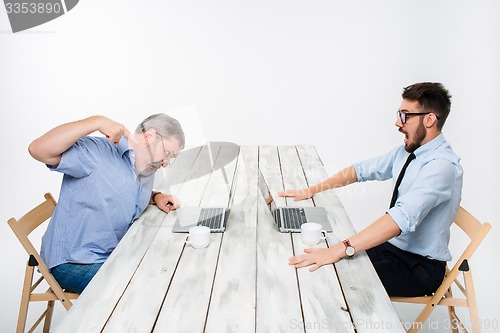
(33, 8)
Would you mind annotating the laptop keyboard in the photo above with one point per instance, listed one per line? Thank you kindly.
(211, 217)
(293, 218)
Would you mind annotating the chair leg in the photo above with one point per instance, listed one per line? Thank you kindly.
(471, 302)
(48, 316)
(452, 313)
(422, 317)
(25, 299)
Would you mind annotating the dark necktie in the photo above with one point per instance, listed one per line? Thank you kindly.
(411, 157)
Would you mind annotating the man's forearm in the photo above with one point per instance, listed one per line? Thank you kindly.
(376, 233)
(345, 177)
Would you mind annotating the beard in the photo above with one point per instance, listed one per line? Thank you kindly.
(145, 173)
(148, 170)
(418, 138)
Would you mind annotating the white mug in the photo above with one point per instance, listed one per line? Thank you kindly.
(198, 237)
(312, 233)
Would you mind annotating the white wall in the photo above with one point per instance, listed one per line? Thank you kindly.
(331, 71)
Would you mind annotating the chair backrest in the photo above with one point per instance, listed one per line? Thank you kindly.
(474, 229)
(23, 227)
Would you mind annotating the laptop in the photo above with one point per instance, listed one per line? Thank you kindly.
(213, 217)
(289, 219)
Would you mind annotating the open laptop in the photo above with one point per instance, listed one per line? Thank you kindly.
(289, 219)
(213, 217)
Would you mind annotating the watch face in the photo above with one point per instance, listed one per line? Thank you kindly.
(349, 251)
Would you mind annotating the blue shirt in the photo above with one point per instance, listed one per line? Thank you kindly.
(429, 195)
(100, 197)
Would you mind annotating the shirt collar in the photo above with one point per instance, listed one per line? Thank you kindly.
(124, 148)
(431, 145)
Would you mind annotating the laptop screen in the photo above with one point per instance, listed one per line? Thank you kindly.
(264, 189)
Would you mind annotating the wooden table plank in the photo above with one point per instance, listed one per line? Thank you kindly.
(145, 293)
(369, 305)
(186, 304)
(187, 301)
(278, 302)
(232, 306)
(320, 291)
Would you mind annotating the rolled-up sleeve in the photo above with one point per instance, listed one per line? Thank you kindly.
(432, 187)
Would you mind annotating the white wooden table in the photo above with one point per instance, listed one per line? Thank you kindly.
(242, 282)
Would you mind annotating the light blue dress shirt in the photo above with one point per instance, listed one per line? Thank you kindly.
(429, 195)
(100, 197)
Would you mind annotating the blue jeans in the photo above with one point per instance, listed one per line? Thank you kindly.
(74, 277)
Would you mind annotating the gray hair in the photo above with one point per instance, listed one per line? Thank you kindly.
(166, 126)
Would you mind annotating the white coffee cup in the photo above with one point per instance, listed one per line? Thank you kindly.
(198, 237)
(312, 233)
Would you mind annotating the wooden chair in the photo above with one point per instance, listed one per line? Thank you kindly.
(476, 231)
(22, 229)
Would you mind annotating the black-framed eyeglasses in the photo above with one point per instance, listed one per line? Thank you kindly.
(403, 116)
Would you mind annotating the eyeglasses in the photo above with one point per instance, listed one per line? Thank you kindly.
(403, 116)
(167, 161)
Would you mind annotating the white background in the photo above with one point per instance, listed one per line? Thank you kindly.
(327, 73)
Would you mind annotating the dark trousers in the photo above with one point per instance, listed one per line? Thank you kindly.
(404, 273)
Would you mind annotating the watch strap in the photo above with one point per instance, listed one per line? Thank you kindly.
(153, 196)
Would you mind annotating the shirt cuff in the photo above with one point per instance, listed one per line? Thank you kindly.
(359, 173)
(400, 219)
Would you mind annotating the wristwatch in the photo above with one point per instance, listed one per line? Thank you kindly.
(153, 202)
(349, 249)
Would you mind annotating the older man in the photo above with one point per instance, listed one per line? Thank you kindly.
(107, 184)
